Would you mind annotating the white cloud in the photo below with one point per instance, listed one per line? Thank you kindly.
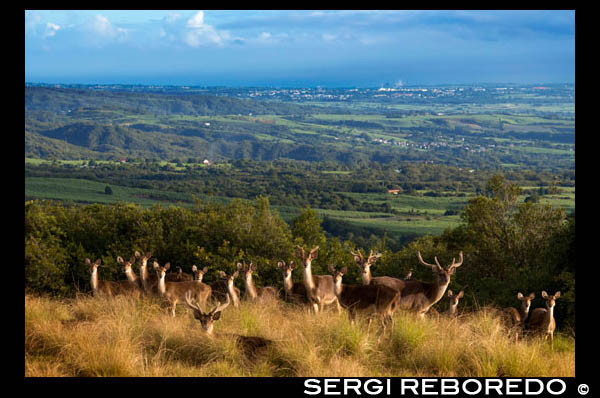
(197, 21)
(199, 33)
(51, 29)
(101, 26)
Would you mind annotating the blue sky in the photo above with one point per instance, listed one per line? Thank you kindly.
(340, 48)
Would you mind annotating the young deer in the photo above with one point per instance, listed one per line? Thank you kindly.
(253, 292)
(320, 288)
(174, 292)
(295, 292)
(454, 298)
(225, 287)
(250, 345)
(515, 319)
(541, 320)
(367, 278)
(418, 297)
(376, 300)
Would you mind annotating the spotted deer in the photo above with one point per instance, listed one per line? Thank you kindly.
(294, 292)
(174, 292)
(319, 288)
(541, 320)
(252, 292)
(225, 287)
(375, 300)
(454, 298)
(417, 296)
(515, 319)
(250, 345)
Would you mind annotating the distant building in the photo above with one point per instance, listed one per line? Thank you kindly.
(207, 162)
(393, 191)
(123, 160)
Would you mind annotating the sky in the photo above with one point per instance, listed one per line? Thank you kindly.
(299, 48)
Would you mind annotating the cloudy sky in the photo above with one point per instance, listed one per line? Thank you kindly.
(362, 48)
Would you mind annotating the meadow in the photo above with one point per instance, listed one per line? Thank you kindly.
(91, 336)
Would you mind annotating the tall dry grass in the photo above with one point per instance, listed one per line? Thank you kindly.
(90, 336)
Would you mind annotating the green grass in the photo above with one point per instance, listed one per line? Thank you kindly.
(118, 337)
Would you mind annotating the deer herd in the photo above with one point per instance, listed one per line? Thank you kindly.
(377, 297)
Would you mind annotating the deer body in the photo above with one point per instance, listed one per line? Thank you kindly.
(294, 291)
(377, 300)
(106, 288)
(454, 298)
(174, 292)
(225, 287)
(253, 292)
(418, 297)
(541, 320)
(515, 319)
(366, 276)
(320, 288)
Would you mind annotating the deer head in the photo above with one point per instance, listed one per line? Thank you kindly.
(206, 319)
(550, 300)
(93, 266)
(360, 260)
(443, 275)
(307, 258)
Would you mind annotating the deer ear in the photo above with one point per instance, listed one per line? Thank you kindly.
(194, 268)
(240, 266)
(222, 274)
(520, 296)
(556, 295)
(253, 267)
(235, 274)
(98, 261)
(292, 265)
(331, 268)
(204, 270)
(216, 316)
(167, 265)
(531, 296)
(280, 264)
(314, 252)
(87, 261)
(460, 294)
(137, 253)
(344, 270)
(450, 293)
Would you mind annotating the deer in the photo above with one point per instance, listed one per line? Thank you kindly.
(295, 292)
(541, 320)
(367, 278)
(319, 288)
(417, 296)
(174, 292)
(252, 292)
(225, 287)
(377, 300)
(515, 319)
(149, 281)
(249, 344)
(454, 298)
(106, 288)
(134, 281)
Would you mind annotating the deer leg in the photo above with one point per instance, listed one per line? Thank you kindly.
(316, 308)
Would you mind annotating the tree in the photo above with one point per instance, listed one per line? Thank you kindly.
(108, 190)
(306, 229)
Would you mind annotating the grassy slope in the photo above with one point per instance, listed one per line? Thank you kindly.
(92, 337)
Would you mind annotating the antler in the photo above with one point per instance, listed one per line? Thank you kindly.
(455, 264)
(220, 307)
(358, 257)
(432, 266)
(373, 257)
(193, 304)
